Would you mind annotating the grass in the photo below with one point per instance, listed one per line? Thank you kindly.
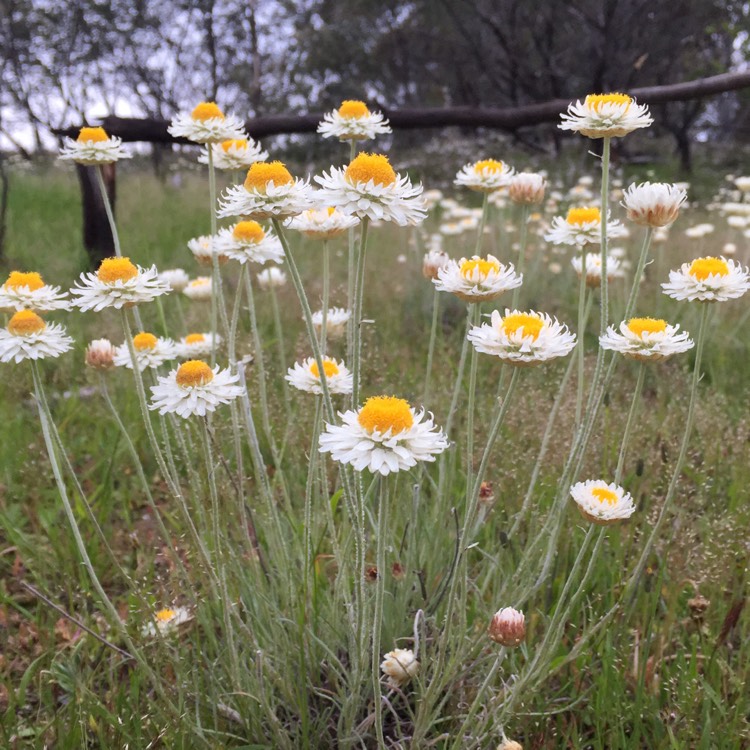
(664, 674)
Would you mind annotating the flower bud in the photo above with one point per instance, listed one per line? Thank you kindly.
(508, 627)
(399, 666)
(527, 188)
(100, 354)
(433, 262)
(507, 744)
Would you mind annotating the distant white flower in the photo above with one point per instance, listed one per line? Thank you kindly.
(150, 351)
(602, 503)
(477, 279)
(527, 188)
(699, 231)
(196, 345)
(28, 291)
(399, 666)
(199, 288)
(708, 280)
(27, 336)
(248, 242)
(581, 226)
(100, 354)
(336, 320)
(743, 184)
(167, 621)
(175, 278)
(206, 124)
(606, 116)
(594, 268)
(93, 147)
(272, 277)
(646, 339)
(204, 248)
(305, 376)
(353, 121)
(432, 262)
(322, 223)
(234, 154)
(485, 176)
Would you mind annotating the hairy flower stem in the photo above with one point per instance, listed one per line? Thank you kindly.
(281, 349)
(377, 620)
(606, 142)
(629, 424)
(522, 241)
(312, 468)
(215, 276)
(359, 293)
(580, 343)
(351, 275)
(326, 284)
(482, 223)
(471, 408)
(431, 347)
(633, 297)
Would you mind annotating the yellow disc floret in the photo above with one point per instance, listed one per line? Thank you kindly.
(581, 216)
(702, 268)
(112, 270)
(329, 367)
(484, 267)
(263, 172)
(488, 165)
(383, 413)
(194, 372)
(353, 108)
(92, 135)
(248, 231)
(207, 111)
(195, 338)
(26, 323)
(639, 326)
(145, 341)
(18, 279)
(604, 495)
(239, 144)
(370, 167)
(530, 324)
(165, 615)
(597, 101)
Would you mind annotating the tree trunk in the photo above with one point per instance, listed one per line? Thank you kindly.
(684, 149)
(97, 235)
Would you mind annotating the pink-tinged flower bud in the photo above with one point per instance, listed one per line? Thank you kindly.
(527, 188)
(508, 627)
(100, 354)
(433, 262)
(507, 744)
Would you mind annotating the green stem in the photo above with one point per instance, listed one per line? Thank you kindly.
(482, 223)
(281, 349)
(522, 240)
(606, 142)
(470, 407)
(377, 620)
(431, 347)
(629, 423)
(359, 292)
(580, 344)
(326, 283)
(639, 273)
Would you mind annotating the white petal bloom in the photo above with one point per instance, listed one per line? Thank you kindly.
(322, 223)
(386, 435)
(272, 277)
(150, 351)
(594, 268)
(93, 147)
(743, 184)
(602, 503)
(646, 339)
(353, 121)
(167, 621)
(399, 666)
(477, 279)
(606, 116)
(522, 338)
(248, 242)
(196, 345)
(708, 280)
(653, 204)
(29, 337)
(305, 376)
(581, 226)
(206, 124)
(369, 187)
(194, 388)
(432, 262)
(699, 231)
(238, 153)
(204, 248)
(27, 291)
(199, 289)
(336, 320)
(175, 278)
(118, 283)
(485, 176)
(269, 191)
(432, 198)
(527, 188)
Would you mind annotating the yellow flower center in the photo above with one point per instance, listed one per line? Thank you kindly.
(581, 216)
(596, 101)
(604, 495)
(366, 167)
(165, 615)
(263, 172)
(17, 279)
(92, 135)
(639, 326)
(26, 322)
(353, 108)
(383, 413)
(200, 281)
(330, 210)
(530, 324)
(207, 111)
(238, 143)
(116, 269)
(489, 165)
(702, 268)
(484, 267)
(195, 338)
(329, 367)
(248, 231)
(144, 341)
(194, 372)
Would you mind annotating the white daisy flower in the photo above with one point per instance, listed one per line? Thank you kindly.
(699, 231)
(485, 176)
(29, 337)
(305, 376)
(646, 339)
(432, 198)
(118, 283)
(369, 187)
(100, 354)
(269, 191)
(247, 241)
(196, 345)
(237, 153)
(399, 666)
(194, 388)
(199, 289)
(581, 226)
(477, 279)
(386, 435)
(206, 124)
(743, 184)
(353, 121)
(432, 262)
(527, 188)
(203, 249)
(606, 116)
(150, 351)
(522, 338)
(594, 268)
(175, 278)
(451, 229)
(93, 147)
(708, 280)
(336, 320)
(272, 277)
(167, 621)
(602, 503)
(28, 291)
(322, 223)
(653, 204)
